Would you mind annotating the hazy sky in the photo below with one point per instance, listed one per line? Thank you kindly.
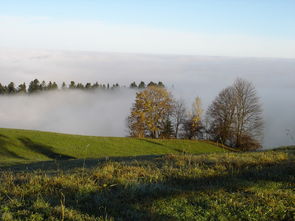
(253, 28)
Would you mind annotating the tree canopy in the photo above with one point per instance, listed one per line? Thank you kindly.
(150, 113)
(236, 116)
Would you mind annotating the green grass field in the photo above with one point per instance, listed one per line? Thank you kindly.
(216, 186)
(51, 176)
(25, 146)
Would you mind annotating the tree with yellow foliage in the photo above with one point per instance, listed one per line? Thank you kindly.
(197, 112)
(150, 112)
(193, 124)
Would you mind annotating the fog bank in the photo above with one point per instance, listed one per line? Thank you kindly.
(98, 113)
(105, 114)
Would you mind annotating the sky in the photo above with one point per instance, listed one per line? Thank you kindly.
(196, 47)
(244, 28)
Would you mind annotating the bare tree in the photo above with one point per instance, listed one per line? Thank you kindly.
(236, 116)
(178, 116)
(221, 116)
(248, 119)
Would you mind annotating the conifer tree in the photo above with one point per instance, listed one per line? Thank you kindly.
(2, 89)
(34, 86)
(168, 130)
(88, 86)
(63, 86)
(80, 86)
(160, 84)
(54, 86)
(49, 86)
(43, 86)
(133, 85)
(151, 84)
(10, 88)
(141, 85)
(72, 85)
(22, 88)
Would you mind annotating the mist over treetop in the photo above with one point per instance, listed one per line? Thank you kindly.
(36, 86)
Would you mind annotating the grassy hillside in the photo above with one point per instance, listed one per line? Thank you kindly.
(223, 186)
(23, 146)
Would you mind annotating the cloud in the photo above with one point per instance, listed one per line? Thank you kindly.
(46, 33)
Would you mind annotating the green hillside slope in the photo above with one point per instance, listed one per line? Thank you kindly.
(19, 146)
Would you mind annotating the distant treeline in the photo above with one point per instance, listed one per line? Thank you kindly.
(39, 86)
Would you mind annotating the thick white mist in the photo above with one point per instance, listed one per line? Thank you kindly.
(99, 113)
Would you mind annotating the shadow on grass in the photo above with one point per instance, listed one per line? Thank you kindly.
(68, 165)
(135, 201)
(151, 141)
(43, 149)
(3, 136)
(4, 152)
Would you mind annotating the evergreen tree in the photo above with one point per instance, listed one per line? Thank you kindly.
(168, 131)
(160, 84)
(2, 89)
(88, 86)
(49, 86)
(63, 86)
(151, 84)
(43, 86)
(34, 86)
(133, 85)
(141, 85)
(54, 86)
(72, 85)
(11, 89)
(96, 85)
(22, 88)
(80, 86)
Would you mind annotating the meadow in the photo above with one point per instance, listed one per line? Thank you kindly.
(26, 146)
(217, 186)
(174, 180)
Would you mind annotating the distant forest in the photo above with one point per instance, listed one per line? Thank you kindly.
(39, 86)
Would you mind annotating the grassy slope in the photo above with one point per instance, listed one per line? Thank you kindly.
(18, 146)
(226, 186)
